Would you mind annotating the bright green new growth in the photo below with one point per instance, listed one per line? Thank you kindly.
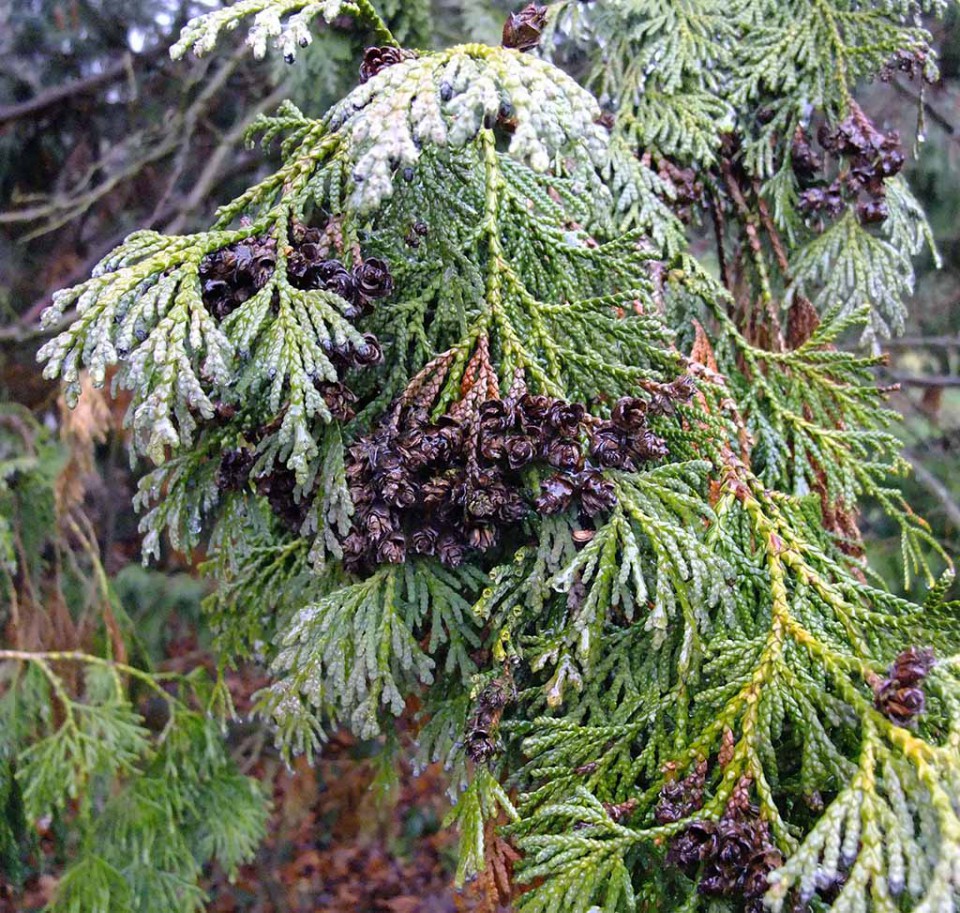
(154, 808)
(147, 803)
(715, 613)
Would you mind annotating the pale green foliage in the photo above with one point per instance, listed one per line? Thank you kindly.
(755, 677)
(818, 424)
(166, 802)
(170, 341)
(642, 198)
(686, 74)
(29, 462)
(664, 69)
(359, 648)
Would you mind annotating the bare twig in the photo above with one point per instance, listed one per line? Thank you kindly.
(716, 213)
(923, 342)
(58, 211)
(940, 491)
(210, 175)
(27, 327)
(939, 119)
(39, 104)
(927, 380)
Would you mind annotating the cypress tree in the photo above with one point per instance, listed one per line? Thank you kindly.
(459, 416)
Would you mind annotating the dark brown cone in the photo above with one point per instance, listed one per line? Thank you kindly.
(609, 446)
(279, 488)
(736, 853)
(871, 212)
(368, 353)
(339, 400)
(522, 30)
(393, 549)
(373, 278)
(377, 59)
(913, 665)
(900, 696)
(565, 418)
(693, 845)
(450, 551)
(519, 451)
(597, 494)
(567, 455)
(556, 493)
(681, 798)
(457, 486)
(804, 159)
(234, 470)
(424, 541)
(629, 413)
(231, 276)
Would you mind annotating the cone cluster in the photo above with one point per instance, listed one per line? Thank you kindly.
(455, 485)
(233, 275)
(731, 858)
(867, 158)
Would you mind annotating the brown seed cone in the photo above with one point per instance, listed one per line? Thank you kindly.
(913, 665)
(522, 30)
(377, 59)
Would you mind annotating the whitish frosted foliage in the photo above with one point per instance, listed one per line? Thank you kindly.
(284, 22)
(612, 549)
